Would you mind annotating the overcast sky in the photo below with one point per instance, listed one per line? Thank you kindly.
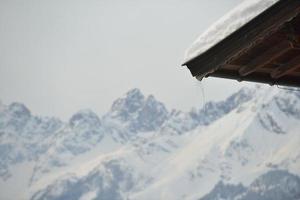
(60, 56)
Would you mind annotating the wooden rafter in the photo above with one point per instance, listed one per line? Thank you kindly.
(286, 68)
(258, 77)
(292, 35)
(266, 57)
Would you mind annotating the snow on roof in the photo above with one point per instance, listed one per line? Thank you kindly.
(239, 16)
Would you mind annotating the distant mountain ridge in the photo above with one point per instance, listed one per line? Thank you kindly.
(141, 150)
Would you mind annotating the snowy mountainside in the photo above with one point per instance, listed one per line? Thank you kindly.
(273, 185)
(140, 150)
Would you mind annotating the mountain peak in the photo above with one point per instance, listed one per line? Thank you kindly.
(152, 115)
(241, 96)
(84, 117)
(134, 93)
(142, 113)
(128, 104)
(19, 109)
(151, 98)
(152, 103)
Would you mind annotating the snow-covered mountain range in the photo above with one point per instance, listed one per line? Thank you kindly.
(245, 147)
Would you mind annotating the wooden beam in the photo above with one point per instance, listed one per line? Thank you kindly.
(292, 35)
(286, 68)
(291, 81)
(231, 66)
(266, 57)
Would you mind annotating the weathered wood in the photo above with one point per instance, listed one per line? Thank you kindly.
(266, 57)
(292, 35)
(286, 68)
(290, 81)
(231, 66)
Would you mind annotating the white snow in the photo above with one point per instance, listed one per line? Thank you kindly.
(16, 187)
(168, 165)
(239, 16)
(89, 195)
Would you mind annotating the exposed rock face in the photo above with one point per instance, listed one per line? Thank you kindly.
(140, 113)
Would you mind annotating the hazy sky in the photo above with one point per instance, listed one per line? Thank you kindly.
(59, 56)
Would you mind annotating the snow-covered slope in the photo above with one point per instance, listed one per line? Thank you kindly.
(140, 150)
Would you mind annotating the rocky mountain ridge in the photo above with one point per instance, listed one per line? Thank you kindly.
(139, 148)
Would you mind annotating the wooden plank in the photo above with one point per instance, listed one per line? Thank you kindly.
(231, 66)
(292, 35)
(286, 68)
(266, 57)
(290, 81)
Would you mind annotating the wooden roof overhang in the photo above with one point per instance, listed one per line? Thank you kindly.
(266, 50)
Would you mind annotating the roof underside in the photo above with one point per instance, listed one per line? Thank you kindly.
(266, 49)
